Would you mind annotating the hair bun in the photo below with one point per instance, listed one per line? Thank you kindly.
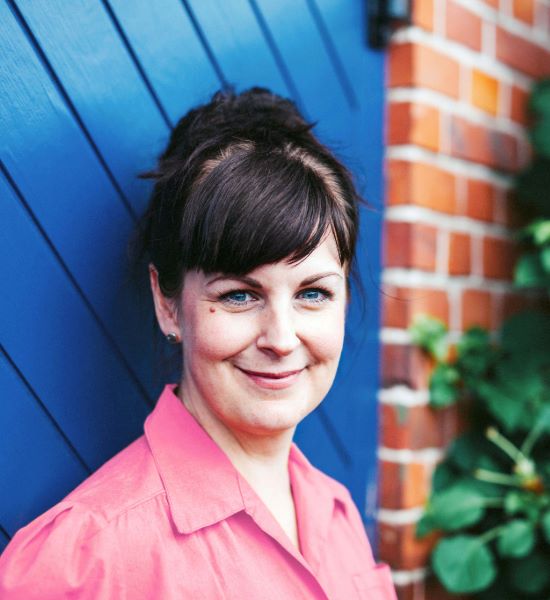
(256, 115)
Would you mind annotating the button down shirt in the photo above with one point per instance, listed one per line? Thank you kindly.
(170, 517)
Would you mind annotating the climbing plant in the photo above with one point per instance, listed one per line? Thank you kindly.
(491, 494)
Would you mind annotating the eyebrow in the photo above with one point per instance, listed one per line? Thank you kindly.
(254, 283)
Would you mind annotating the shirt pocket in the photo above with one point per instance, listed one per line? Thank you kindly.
(375, 584)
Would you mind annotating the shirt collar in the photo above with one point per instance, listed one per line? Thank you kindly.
(202, 485)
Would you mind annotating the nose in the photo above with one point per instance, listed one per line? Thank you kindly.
(278, 333)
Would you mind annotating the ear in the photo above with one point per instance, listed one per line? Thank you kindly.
(164, 307)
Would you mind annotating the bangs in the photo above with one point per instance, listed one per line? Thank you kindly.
(256, 208)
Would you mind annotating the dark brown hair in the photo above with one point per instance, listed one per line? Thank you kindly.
(244, 182)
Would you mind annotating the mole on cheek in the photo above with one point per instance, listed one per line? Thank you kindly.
(212, 309)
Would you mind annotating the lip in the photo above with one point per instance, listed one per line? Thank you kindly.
(272, 381)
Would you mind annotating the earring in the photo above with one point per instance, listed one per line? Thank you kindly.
(172, 337)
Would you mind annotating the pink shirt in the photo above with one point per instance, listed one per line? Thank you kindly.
(170, 517)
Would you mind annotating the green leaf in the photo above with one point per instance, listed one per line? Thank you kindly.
(431, 335)
(444, 475)
(530, 575)
(458, 506)
(475, 352)
(545, 522)
(464, 564)
(516, 539)
(444, 385)
(471, 451)
(540, 230)
(540, 137)
(504, 407)
(526, 332)
(528, 271)
(545, 259)
(426, 525)
(539, 100)
(522, 502)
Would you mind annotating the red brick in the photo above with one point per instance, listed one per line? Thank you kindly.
(418, 427)
(524, 10)
(476, 309)
(423, 14)
(418, 66)
(480, 200)
(499, 257)
(463, 26)
(485, 91)
(410, 123)
(404, 485)
(459, 253)
(404, 364)
(518, 110)
(400, 547)
(410, 245)
(401, 305)
(421, 184)
(476, 143)
(521, 54)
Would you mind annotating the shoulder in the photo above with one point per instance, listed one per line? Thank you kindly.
(128, 478)
(74, 548)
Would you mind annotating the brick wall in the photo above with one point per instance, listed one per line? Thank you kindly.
(457, 85)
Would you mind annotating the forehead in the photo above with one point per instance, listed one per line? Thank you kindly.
(323, 259)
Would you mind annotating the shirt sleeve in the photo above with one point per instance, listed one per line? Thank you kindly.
(64, 553)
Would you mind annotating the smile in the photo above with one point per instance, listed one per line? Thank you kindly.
(272, 381)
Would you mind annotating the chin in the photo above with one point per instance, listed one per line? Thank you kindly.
(278, 415)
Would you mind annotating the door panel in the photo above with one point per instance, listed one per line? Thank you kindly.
(89, 92)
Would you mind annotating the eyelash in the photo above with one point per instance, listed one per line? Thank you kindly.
(226, 296)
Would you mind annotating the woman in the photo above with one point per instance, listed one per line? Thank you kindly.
(251, 235)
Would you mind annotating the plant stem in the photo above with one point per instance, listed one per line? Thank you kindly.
(493, 502)
(531, 440)
(542, 423)
(495, 477)
(491, 534)
(504, 444)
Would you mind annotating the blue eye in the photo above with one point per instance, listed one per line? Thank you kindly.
(237, 298)
(315, 295)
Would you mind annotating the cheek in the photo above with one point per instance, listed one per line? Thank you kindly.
(216, 336)
(326, 338)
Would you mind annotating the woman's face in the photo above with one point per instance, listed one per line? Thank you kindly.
(260, 351)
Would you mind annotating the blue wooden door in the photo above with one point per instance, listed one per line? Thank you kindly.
(89, 90)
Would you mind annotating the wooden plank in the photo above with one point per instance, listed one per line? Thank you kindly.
(169, 51)
(4, 539)
(344, 31)
(94, 68)
(237, 41)
(57, 344)
(59, 174)
(36, 464)
(301, 47)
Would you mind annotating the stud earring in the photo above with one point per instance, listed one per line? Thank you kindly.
(172, 337)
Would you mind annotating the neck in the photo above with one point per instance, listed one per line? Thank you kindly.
(261, 459)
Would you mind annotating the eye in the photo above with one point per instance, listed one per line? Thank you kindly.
(237, 298)
(315, 295)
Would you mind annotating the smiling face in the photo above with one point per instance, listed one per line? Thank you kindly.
(260, 351)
